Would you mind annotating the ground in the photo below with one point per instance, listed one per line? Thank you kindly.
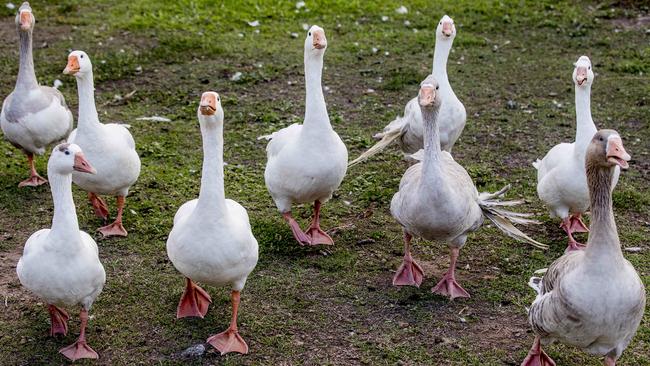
(511, 66)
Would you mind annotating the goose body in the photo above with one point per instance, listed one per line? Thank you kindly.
(561, 177)
(437, 200)
(33, 116)
(408, 129)
(111, 146)
(211, 240)
(307, 163)
(592, 299)
(61, 265)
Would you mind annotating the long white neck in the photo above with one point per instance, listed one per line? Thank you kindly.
(316, 118)
(431, 163)
(26, 75)
(585, 127)
(440, 57)
(212, 198)
(64, 221)
(88, 118)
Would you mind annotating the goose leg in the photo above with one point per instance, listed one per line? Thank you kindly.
(567, 227)
(194, 302)
(448, 285)
(58, 320)
(409, 273)
(100, 207)
(116, 228)
(537, 357)
(34, 179)
(610, 361)
(80, 349)
(298, 234)
(230, 340)
(317, 235)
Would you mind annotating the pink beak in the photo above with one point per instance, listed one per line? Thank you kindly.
(581, 75)
(82, 165)
(616, 153)
(447, 29)
(25, 20)
(319, 40)
(427, 96)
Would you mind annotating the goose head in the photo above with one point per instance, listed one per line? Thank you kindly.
(78, 64)
(210, 111)
(315, 42)
(429, 96)
(583, 76)
(446, 29)
(25, 19)
(606, 150)
(67, 158)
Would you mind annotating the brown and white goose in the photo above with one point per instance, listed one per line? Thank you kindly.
(33, 116)
(592, 299)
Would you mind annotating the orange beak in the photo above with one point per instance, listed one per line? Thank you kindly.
(447, 29)
(73, 66)
(427, 96)
(208, 104)
(82, 165)
(616, 153)
(581, 75)
(25, 20)
(319, 39)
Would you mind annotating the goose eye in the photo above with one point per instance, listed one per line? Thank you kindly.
(309, 33)
(437, 87)
(82, 56)
(67, 152)
(601, 139)
(589, 67)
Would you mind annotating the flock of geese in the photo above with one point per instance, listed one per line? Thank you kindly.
(591, 297)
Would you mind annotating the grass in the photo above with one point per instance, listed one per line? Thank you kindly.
(326, 305)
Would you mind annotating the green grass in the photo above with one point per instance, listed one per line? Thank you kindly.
(325, 305)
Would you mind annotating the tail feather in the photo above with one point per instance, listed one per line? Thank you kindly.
(537, 164)
(504, 219)
(387, 138)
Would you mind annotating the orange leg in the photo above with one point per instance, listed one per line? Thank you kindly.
(34, 179)
(80, 349)
(230, 340)
(116, 228)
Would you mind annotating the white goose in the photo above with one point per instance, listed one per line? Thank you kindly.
(437, 200)
(561, 177)
(452, 116)
(307, 163)
(33, 116)
(61, 264)
(110, 146)
(211, 240)
(593, 298)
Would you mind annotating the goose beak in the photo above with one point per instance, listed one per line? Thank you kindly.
(72, 67)
(25, 20)
(208, 106)
(82, 165)
(581, 75)
(319, 40)
(427, 96)
(616, 154)
(447, 29)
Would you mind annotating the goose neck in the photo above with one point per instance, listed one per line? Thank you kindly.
(316, 117)
(431, 162)
(585, 127)
(212, 196)
(440, 58)
(64, 221)
(88, 118)
(26, 75)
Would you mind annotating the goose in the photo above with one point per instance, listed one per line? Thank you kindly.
(561, 176)
(437, 200)
(33, 116)
(61, 265)
(409, 129)
(109, 146)
(592, 299)
(211, 240)
(307, 163)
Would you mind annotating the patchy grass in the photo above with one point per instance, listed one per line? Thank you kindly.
(326, 305)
